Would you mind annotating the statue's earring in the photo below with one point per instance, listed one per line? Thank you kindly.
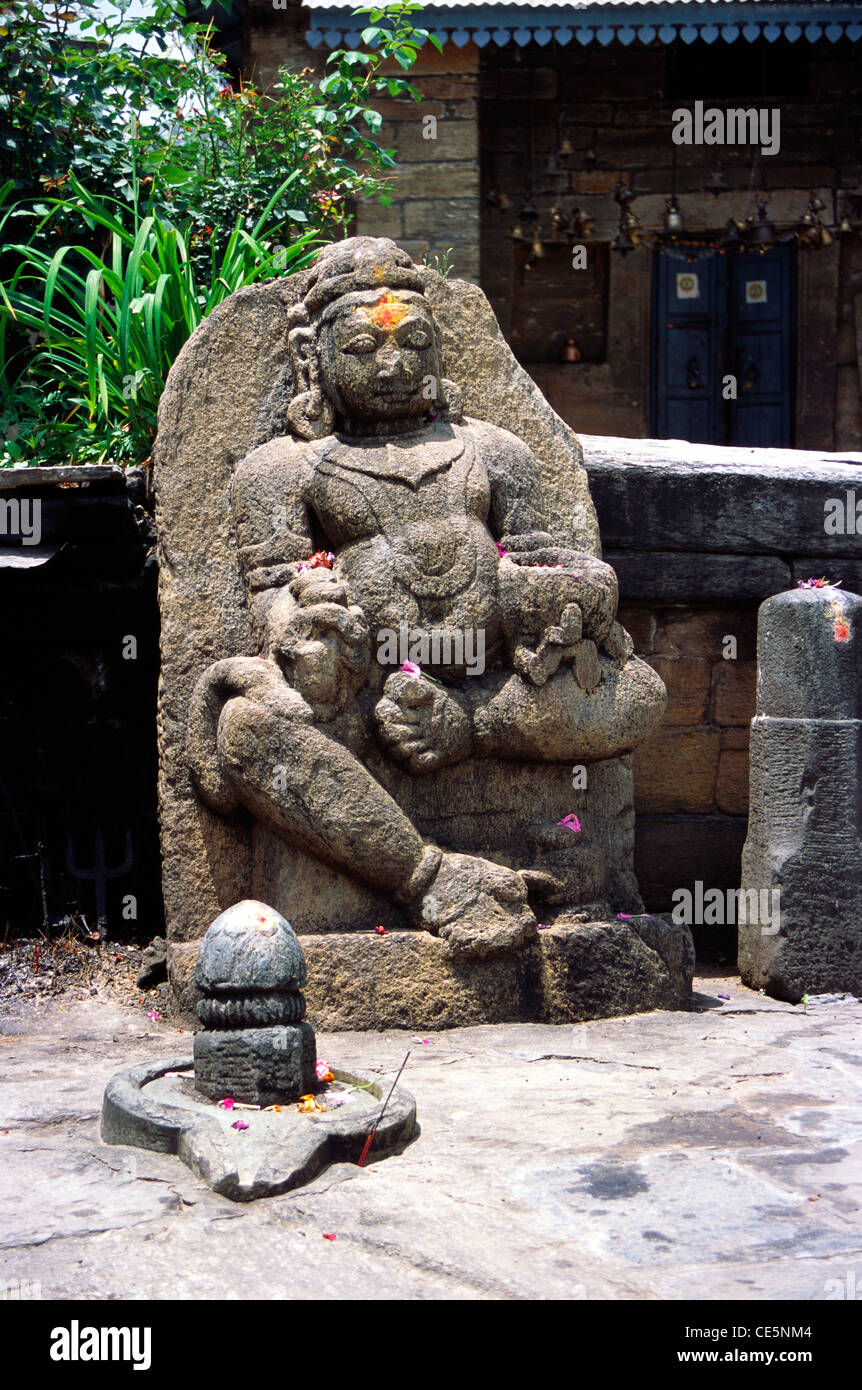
(310, 415)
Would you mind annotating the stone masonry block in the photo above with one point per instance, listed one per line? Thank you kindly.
(734, 692)
(687, 679)
(677, 770)
(438, 179)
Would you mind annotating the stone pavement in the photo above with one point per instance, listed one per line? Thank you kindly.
(710, 1154)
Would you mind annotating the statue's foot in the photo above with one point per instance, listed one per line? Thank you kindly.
(476, 907)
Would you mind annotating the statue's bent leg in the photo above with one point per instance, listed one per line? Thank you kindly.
(253, 743)
(561, 721)
(314, 793)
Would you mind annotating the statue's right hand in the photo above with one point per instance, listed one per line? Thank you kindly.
(422, 724)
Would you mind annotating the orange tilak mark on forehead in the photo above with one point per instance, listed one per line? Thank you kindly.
(388, 311)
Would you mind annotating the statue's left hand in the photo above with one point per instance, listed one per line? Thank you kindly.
(421, 724)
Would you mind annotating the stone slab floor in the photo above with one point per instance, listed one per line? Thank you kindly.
(709, 1154)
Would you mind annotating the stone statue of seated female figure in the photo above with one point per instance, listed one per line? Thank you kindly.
(386, 511)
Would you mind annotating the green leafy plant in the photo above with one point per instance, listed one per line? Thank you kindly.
(145, 98)
(226, 157)
(443, 264)
(102, 332)
(143, 188)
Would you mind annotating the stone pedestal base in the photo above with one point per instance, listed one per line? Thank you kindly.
(409, 979)
(259, 1066)
(156, 1106)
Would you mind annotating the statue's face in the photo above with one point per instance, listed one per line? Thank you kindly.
(322, 647)
(379, 358)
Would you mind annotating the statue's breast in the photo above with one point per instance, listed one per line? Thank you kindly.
(396, 487)
(405, 460)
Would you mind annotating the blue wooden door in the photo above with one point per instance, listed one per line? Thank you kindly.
(687, 347)
(761, 348)
(724, 325)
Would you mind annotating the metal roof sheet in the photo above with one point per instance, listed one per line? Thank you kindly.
(331, 22)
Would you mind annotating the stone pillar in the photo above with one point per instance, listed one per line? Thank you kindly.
(802, 932)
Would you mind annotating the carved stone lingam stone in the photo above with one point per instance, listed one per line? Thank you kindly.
(396, 703)
(230, 1113)
(255, 1045)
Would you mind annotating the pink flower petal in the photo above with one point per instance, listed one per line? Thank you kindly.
(411, 669)
(227, 1103)
(239, 1124)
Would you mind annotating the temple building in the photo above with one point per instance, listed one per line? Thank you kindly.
(663, 201)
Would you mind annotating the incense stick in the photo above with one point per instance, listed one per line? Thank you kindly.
(362, 1157)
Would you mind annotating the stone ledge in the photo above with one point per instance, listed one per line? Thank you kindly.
(360, 981)
(671, 495)
(677, 574)
(59, 474)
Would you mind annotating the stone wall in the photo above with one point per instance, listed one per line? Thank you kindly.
(616, 107)
(79, 629)
(699, 537)
(498, 112)
(435, 202)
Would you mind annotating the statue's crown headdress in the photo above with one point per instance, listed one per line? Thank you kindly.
(359, 263)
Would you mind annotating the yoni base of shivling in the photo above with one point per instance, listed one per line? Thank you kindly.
(409, 979)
